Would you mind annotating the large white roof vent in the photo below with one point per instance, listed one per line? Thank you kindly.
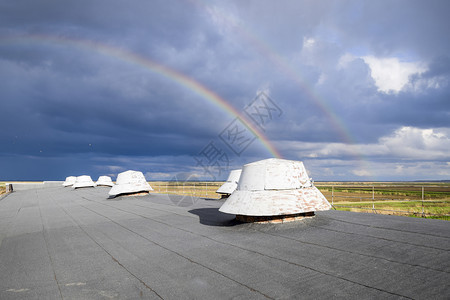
(274, 187)
(130, 182)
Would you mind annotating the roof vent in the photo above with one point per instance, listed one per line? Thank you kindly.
(274, 189)
(83, 181)
(70, 180)
(130, 182)
(231, 184)
(104, 181)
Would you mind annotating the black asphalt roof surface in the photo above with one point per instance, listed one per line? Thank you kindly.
(60, 243)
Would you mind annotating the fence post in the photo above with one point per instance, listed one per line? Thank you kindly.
(423, 211)
(332, 195)
(206, 190)
(373, 197)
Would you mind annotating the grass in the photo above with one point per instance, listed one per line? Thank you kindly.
(392, 198)
(387, 197)
(205, 189)
(394, 191)
(414, 192)
(428, 209)
(2, 188)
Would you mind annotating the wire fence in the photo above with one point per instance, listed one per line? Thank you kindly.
(428, 200)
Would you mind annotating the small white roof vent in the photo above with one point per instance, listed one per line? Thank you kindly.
(70, 180)
(130, 182)
(275, 187)
(231, 184)
(104, 181)
(83, 181)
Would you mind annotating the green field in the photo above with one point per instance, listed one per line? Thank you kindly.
(415, 199)
(394, 198)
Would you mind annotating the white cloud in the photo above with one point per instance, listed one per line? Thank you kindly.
(423, 84)
(330, 169)
(308, 43)
(390, 74)
(223, 19)
(114, 168)
(416, 143)
(362, 173)
(322, 79)
(399, 169)
(408, 153)
(344, 60)
(158, 176)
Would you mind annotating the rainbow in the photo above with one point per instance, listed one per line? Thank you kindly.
(154, 67)
(271, 55)
(335, 121)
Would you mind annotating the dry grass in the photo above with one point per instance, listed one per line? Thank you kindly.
(429, 209)
(204, 189)
(386, 197)
(2, 188)
(391, 198)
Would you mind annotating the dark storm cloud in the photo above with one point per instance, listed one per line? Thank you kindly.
(73, 107)
(55, 106)
(386, 27)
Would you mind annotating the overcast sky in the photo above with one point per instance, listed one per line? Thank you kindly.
(357, 90)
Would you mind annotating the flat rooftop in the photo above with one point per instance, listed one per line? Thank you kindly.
(60, 243)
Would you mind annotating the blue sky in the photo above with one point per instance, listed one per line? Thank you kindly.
(359, 90)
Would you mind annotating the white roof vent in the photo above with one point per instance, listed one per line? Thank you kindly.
(130, 182)
(275, 187)
(83, 181)
(231, 184)
(104, 181)
(70, 180)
